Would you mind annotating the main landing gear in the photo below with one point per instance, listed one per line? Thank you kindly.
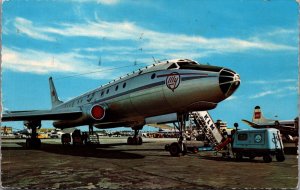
(33, 141)
(178, 148)
(135, 140)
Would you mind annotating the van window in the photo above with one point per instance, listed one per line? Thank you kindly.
(242, 137)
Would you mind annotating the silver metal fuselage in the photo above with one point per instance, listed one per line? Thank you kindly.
(132, 99)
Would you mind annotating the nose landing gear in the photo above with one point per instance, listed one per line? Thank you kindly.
(179, 148)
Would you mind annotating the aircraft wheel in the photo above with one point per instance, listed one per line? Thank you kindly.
(37, 143)
(174, 149)
(140, 141)
(129, 140)
(184, 149)
(267, 158)
(28, 143)
(280, 157)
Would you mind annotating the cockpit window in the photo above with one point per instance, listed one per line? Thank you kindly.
(173, 66)
(195, 66)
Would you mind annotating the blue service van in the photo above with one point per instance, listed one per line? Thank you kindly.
(258, 142)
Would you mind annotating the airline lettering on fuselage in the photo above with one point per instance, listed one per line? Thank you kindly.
(172, 81)
(207, 120)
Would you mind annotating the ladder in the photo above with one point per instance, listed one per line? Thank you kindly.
(205, 123)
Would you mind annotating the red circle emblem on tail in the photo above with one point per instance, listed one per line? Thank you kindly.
(97, 112)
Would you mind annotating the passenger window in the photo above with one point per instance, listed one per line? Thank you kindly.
(124, 85)
(102, 93)
(116, 87)
(107, 91)
(242, 137)
(153, 76)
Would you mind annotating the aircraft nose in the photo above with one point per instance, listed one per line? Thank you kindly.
(229, 81)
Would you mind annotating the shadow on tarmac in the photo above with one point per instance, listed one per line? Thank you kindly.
(83, 150)
(220, 158)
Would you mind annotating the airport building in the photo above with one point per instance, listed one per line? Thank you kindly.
(6, 130)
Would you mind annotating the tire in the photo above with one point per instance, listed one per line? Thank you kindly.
(175, 149)
(28, 143)
(129, 140)
(239, 156)
(280, 157)
(140, 141)
(267, 158)
(184, 151)
(251, 157)
(37, 143)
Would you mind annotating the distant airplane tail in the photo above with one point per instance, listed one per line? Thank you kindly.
(258, 116)
(54, 98)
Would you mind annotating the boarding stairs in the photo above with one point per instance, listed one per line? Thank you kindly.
(205, 123)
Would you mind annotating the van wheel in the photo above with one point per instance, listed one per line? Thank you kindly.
(267, 158)
(280, 157)
(238, 156)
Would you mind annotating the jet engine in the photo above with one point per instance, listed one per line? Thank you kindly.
(90, 114)
(95, 112)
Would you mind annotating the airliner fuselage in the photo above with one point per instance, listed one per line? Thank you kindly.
(163, 89)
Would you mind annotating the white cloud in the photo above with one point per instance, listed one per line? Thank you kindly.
(272, 81)
(105, 2)
(231, 98)
(279, 92)
(281, 31)
(162, 45)
(24, 26)
(27, 60)
(148, 39)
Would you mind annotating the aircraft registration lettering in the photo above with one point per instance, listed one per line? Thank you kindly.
(172, 81)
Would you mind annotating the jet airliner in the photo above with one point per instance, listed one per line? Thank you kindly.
(160, 93)
(286, 127)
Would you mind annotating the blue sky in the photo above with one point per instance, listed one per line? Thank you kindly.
(258, 39)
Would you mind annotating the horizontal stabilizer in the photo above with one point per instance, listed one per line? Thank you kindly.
(250, 123)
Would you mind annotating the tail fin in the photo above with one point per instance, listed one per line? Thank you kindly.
(258, 116)
(54, 99)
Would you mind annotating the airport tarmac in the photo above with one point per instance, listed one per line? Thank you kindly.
(115, 165)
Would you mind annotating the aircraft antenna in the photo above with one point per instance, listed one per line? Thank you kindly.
(97, 71)
(154, 59)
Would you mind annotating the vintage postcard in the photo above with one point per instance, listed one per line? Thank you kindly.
(127, 94)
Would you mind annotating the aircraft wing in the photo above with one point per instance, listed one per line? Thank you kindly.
(250, 123)
(63, 114)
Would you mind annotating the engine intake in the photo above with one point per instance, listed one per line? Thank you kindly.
(97, 112)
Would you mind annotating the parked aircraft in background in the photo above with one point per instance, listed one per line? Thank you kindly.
(288, 128)
(160, 93)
